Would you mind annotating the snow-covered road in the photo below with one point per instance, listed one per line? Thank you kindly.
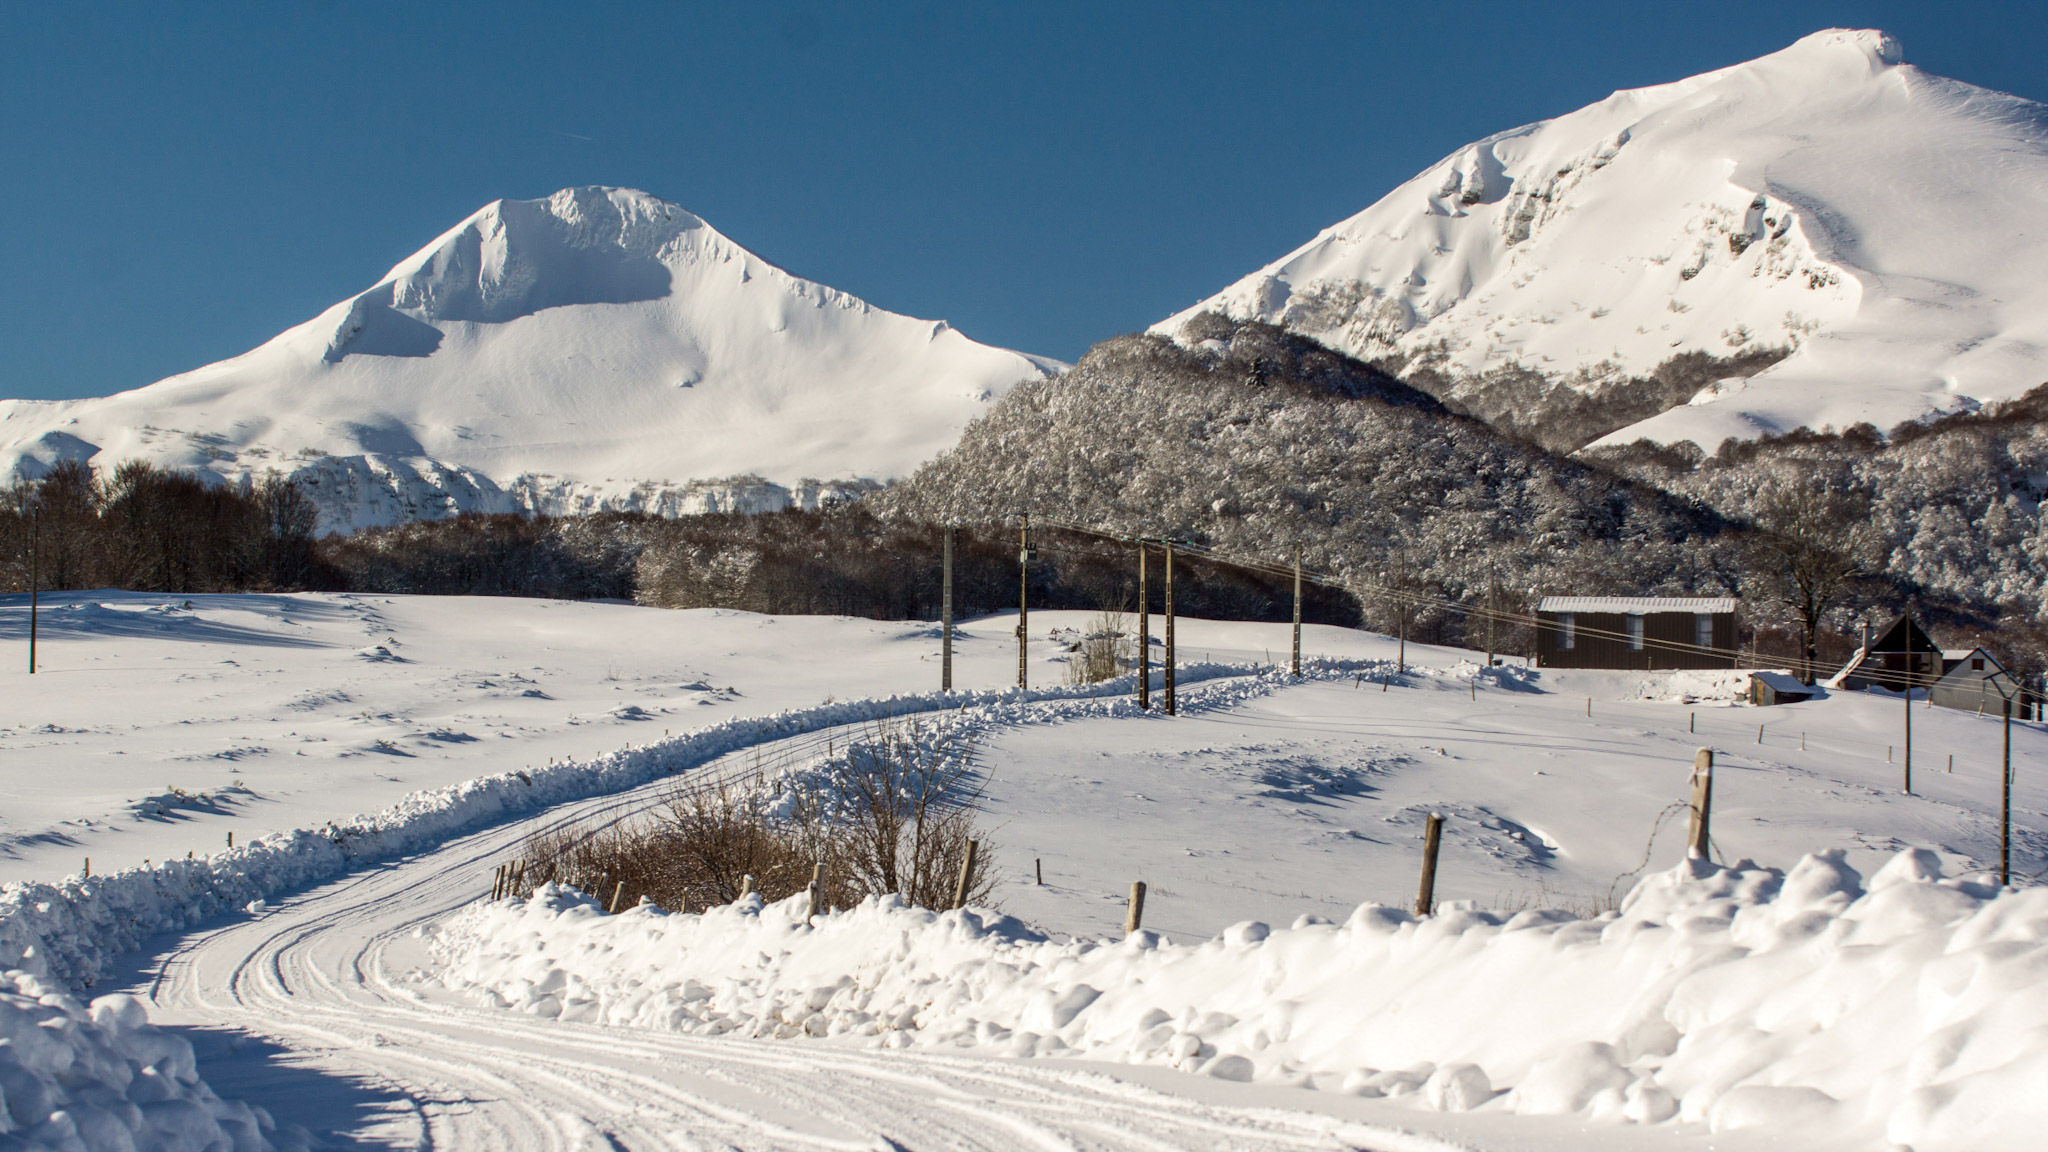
(322, 980)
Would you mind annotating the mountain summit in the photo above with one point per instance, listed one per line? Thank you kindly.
(599, 348)
(1882, 225)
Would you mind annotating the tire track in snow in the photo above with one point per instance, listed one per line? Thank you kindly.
(325, 977)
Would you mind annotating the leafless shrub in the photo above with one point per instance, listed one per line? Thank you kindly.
(1107, 650)
(895, 816)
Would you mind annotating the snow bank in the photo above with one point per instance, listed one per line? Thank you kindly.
(65, 931)
(102, 1078)
(1912, 1010)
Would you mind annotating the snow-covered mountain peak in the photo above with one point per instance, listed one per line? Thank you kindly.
(1826, 200)
(597, 348)
(515, 257)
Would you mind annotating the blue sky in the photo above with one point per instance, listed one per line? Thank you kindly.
(183, 181)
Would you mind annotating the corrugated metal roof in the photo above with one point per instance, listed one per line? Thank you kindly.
(1627, 604)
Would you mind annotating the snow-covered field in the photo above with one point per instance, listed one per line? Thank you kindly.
(367, 994)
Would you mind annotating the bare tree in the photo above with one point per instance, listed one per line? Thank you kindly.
(1814, 545)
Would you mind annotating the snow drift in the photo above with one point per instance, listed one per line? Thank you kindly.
(68, 931)
(1828, 198)
(599, 348)
(100, 1077)
(1910, 1010)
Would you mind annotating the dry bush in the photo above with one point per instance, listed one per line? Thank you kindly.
(1107, 650)
(894, 817)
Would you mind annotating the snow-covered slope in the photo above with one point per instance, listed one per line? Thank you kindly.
(598, 348)
(1884, 223)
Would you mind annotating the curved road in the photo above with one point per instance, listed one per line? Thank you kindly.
(323, 980)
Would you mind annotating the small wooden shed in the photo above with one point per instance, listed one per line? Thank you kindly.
(1639, 632)
(1771, 688)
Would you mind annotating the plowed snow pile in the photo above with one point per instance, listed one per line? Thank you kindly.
(100, 1077)
(1912, 1009)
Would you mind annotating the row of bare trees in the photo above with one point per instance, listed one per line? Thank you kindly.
(152, 529)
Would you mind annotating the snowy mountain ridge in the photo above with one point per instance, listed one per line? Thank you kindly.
(597, 349)
(1875, 220)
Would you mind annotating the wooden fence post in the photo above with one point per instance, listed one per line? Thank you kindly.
(1432, 836)
(618, 891)
(966, 874)
(746, 886)
(1134, 914)
(1038, 869)
(1697, 840)
(811, 892)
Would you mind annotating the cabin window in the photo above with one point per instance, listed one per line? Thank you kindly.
(1567, 631)
(1703, 629)
(1635, 632)
(1976, 663)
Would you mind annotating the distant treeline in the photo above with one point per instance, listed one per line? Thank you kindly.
(148, 529)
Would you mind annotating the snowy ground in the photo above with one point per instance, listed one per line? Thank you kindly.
(1263, 802)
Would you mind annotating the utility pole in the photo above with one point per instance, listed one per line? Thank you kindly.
(1295, 667)
(1402, 600)
(946, 617)
(1909, 702)
(1023, 599)
(1144, 634)
(1169, 627)
(1491, 613)
(35, 580)
(2005, 804)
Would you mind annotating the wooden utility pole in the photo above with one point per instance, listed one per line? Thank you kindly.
(1169, 627)
(35, 580)
(2005, 804)
(1698, 844)
(946, 617)
(1909, 703)
(1023, 599)
(1144, 633)
(1295, 667)
(1402, 599)
(1491, 613)
(1432, 836)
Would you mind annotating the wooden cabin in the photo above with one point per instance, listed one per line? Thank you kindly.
(1636, 632)
(1898, 652)
(1970, 679)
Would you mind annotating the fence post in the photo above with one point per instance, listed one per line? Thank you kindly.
(746, 886)
(1038, 871)
(617, 891)
(1697, 838)
(966, 874)
(811, 892)
(1134, 914)
(1432, 836)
